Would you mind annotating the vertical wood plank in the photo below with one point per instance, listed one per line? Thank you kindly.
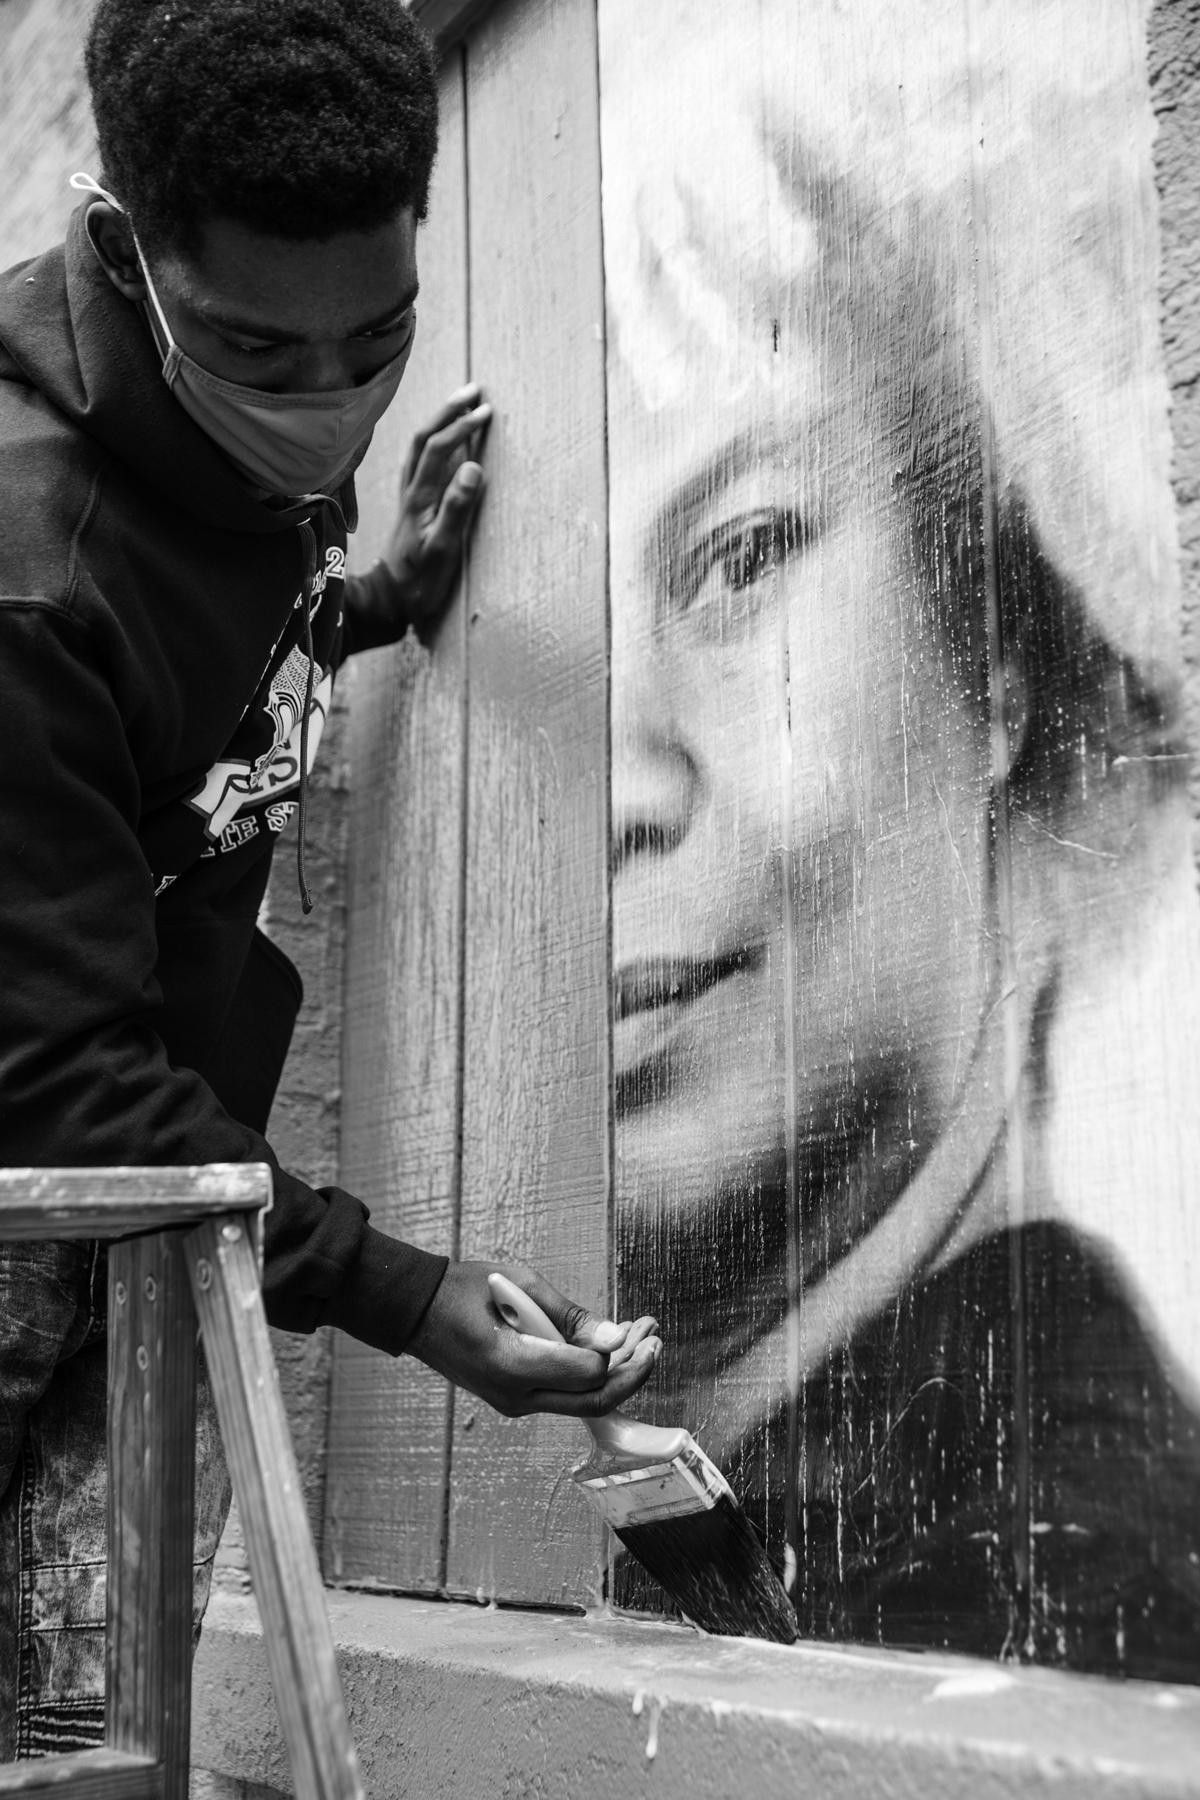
(535, 1071)
(223, 1269)
(387, 1465)
(151, 1504)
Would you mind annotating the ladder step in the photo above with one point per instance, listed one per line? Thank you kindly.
(104, 1203)
(86, 1775)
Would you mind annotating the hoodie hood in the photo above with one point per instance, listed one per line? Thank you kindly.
(66, 330)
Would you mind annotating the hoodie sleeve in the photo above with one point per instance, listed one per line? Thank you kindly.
(84, 1077)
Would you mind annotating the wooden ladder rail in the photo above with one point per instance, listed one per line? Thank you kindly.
(195, 1257)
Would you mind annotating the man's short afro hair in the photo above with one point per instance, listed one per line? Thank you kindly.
(300, 118)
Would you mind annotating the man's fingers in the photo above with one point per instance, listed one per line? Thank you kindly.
(429, 457)
(618, 1341)
(635, 1335)
(462, 400)
(625, 1380)
(621, 1385)
(444, 537)
(424, 487)
(537, 1365)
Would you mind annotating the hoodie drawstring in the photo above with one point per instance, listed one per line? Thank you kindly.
(309, 539)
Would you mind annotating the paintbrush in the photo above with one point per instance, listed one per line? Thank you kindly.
(673, 1510)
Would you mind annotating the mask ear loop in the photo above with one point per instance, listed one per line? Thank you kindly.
(83, 183)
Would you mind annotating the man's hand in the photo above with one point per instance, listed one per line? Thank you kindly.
(440, 488)
(463, 1337)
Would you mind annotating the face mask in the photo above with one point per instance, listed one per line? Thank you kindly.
(292, 444)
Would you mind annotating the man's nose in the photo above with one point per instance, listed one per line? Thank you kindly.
(655, 777)
(323, 369)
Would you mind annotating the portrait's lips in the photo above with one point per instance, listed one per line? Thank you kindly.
(654, 997)
(654, 982)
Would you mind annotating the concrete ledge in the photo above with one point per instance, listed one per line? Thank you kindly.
(462, 1702)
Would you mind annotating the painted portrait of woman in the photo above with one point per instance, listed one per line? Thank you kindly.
(907, 986)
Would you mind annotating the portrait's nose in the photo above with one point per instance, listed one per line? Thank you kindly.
(655, 776)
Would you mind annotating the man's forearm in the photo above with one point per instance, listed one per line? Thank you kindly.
(374, 613)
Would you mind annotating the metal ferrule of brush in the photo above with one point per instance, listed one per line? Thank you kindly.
(687, 1483)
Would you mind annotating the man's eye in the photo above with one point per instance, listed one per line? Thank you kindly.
(399, 328)
(249, 349)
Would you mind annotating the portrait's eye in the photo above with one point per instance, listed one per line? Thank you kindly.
(753, 548)
(727, 571)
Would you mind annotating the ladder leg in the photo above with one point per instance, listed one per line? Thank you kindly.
(283, 1563)
(151, 1501)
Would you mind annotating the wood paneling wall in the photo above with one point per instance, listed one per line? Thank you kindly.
(870, 454)
(855, 518)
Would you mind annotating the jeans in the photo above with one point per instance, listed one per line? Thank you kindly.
(53, 1500)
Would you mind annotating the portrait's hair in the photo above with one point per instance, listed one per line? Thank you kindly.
(299, 118)
(1084, 705)
(988, 588)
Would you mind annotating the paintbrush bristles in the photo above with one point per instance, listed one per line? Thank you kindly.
(682, 1521)
(717, 1572)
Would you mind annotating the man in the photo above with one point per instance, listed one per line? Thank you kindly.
(186, 389)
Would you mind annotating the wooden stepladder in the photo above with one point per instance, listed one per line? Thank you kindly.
(194, 1258)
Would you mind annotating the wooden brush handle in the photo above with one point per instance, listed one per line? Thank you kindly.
(614, 1433)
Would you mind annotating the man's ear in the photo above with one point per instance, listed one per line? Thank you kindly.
(112, 240)
(1010, 719)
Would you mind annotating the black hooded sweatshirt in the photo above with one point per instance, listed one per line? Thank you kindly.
(152, 678)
